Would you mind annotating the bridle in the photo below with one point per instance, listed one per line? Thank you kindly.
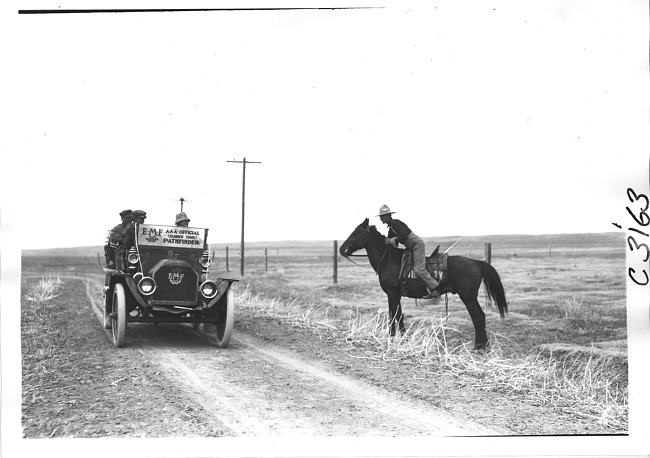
(366, 231)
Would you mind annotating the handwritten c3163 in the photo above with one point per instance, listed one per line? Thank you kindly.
(638, 210)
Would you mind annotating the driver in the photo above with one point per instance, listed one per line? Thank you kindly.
(182, 220)
(400, 232)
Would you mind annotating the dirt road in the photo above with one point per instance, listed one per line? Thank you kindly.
(278, 378)
(256, 389)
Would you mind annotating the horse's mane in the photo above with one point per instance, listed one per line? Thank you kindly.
(375, 233)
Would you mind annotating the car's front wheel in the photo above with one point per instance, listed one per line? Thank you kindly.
(226, 320)
(118, 316)
(107, 314)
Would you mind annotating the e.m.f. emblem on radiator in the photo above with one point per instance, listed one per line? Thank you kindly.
(175, 278)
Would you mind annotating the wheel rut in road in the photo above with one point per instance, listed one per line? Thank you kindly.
(258, 390)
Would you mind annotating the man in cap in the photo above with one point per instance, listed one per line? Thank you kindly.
(116, 237)
(129, 234)
(182, 220)
(400, 232)
(117, 233)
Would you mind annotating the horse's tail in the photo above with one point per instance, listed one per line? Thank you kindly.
(494, 287)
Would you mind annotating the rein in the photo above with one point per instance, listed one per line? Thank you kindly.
(387, 249)
(355, 256)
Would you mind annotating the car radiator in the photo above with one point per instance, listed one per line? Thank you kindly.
(175, 285)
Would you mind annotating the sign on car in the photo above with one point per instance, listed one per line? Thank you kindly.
(172, 237)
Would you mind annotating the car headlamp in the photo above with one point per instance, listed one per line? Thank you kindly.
(205, 259)
(208, 289)
(133, 257)
(147, 286)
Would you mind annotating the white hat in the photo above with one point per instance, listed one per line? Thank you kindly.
(384, 210)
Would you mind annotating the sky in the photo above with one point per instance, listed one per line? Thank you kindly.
(465, 117)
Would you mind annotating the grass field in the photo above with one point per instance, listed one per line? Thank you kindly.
(563, 343)
(567, 288)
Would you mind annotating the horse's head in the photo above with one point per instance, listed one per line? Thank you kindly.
(357, 240)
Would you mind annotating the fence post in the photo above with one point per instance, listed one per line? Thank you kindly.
(99, 264)
(266, 260)
(227, 261)
(336, 261)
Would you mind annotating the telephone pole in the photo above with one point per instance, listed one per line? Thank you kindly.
(243, 206)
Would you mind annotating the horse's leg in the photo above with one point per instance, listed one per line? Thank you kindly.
(400, 318)
(478, 319)
(395, 311)
(392, 308)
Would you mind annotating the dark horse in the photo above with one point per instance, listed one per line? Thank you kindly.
(463, 277)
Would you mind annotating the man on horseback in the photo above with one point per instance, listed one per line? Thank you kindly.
(400, 232)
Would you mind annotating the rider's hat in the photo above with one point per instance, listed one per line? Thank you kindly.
(125, 213)
(384, 210)
(139, 214)
(181, 217)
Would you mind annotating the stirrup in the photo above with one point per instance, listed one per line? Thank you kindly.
(433, 294)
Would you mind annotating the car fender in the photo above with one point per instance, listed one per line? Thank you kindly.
(135, 292)
(223, 285)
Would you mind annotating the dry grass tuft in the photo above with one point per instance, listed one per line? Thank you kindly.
(34, 314)
(584, 387)
(573, 308)
(44, 290)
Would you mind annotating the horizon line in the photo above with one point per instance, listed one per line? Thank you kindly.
(238, 242)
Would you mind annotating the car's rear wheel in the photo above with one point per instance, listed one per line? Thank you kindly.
(226, 320)
(118, 316)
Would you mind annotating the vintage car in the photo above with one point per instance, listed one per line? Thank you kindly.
(164, 278)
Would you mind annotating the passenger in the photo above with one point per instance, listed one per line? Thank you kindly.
(116, 238)
(129, 234)
(182, 220)
(117, 233)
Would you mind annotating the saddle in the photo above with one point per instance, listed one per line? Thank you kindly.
(411, 285)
